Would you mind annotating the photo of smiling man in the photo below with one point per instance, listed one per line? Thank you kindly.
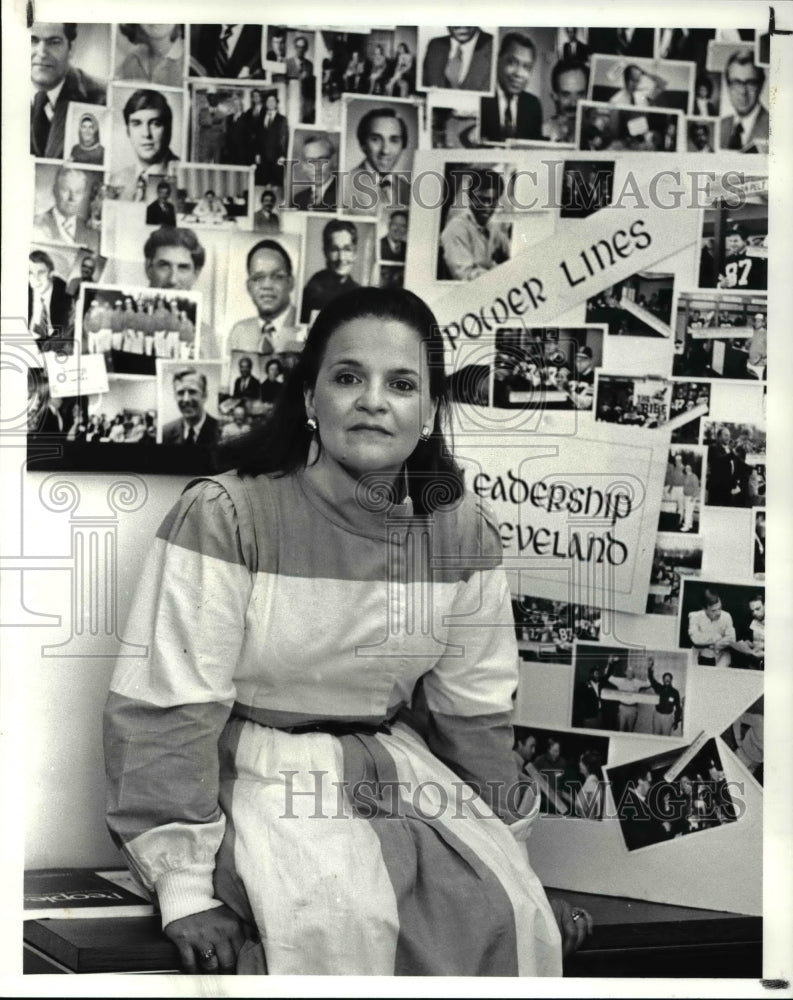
(513, 113)
(189, 390)
(385, 133)
(269, 284)
(347, 249)
(150, 122)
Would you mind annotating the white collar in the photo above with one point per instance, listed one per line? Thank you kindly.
(52, 95)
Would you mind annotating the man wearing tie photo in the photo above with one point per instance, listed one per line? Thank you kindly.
(512, 113)
(747, 130)
(56, 82)
(270, 283)
(461, 60)
(195, 426)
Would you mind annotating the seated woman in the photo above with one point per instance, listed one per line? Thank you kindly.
(309, 783)
(403, 82)
(88, 148)
(379, 71)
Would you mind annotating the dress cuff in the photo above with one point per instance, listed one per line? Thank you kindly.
(185, 891)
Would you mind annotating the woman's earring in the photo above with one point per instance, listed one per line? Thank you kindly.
(311, 424)
(425, 433)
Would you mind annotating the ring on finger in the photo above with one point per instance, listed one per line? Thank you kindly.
(207, 954)
(577, 914)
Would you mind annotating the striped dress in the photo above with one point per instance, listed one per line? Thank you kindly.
(265, 751)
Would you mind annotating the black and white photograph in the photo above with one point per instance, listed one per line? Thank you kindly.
(227, 121)
(313, 177)
(626, 690)
(86, 133)
(379, 136)
(261, 294)
(681, 504)
(686, 44)
(338, 254)
(472, 239)
(604, 127)
(566, 768)
(457, 58)
(452, 120)
(295, 49)
(393, 237)
(547, 367)
(227, 51)
(633, 401)
(69, 63)
(150, 53)
(546, 629)
(642, 83)
(745, 738)
(744, 124)
(187, 403)
(587, 186)
(51, 417)
(724, 624)
(640, 306)
(689, 405)
(132, 327)
(62, 205)
(55, 275)
(214, 197)
(736, 464)
(721, 335)
(676, 556)
(657, 800)
(523, 98)
(701, 135)
(147, 137)
(758, 543)
(734, 245)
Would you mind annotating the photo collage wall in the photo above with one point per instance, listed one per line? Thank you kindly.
(203, 191)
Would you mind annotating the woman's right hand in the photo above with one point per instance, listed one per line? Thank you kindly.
(209, 941)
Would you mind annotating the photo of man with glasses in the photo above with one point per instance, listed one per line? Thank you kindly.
(746, 131)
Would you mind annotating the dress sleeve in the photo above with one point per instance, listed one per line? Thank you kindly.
(169, 702)
(469, 692)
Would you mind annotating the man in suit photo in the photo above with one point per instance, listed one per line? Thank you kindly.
(383, 136)
(622, 41)
(298, 67)
(161, 212)
(49, 305)
(569, 80)
(226, 51)
(246, 385)
(393, 246)
(462, 60)
(64, 221)
(269, 284)
(265, 218)
(747, 129)
(195, 427)
(318, 160)
(148, 119)
(270, 144)
(574, 48)
(56, 82)
(237, 148)
(512, 113)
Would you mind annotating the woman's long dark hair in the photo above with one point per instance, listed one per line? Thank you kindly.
(281, 445)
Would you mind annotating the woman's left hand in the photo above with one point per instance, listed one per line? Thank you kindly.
(575, 925)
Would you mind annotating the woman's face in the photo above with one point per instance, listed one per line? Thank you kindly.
(371, 396)
(88, 132)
